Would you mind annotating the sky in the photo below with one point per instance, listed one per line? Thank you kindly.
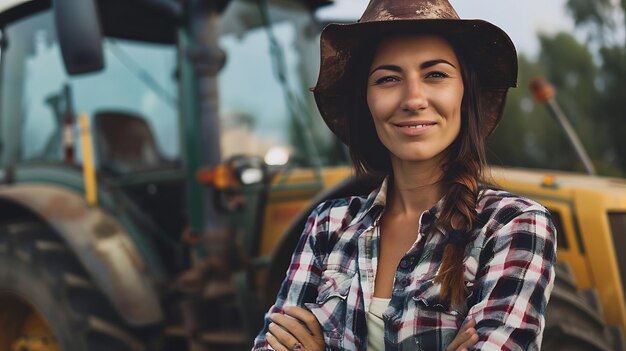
(521, 19)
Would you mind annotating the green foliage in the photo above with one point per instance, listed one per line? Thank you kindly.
(591, 12)
(590, 91)
(540, 142)
(611, 104)
(514, 141)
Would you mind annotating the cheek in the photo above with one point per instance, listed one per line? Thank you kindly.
(455, 123)
(453, 97)
(380, 103)
(456, 100)
(374, 105)
(371, 103)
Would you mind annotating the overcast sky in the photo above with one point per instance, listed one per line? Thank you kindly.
(521, 19)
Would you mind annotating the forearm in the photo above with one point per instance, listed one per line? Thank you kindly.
(301, 281)
(514, 285)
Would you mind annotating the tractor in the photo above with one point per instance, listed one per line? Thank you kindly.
(135, 199)
(159, 159)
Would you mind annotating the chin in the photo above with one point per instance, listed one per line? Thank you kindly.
(416, 157)
(420, 155)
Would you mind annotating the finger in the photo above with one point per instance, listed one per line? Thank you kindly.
(306, 317)
(293, 326)
(274, 343)
(282, 335)
(471, 341)
(470, 324)
(462, 336)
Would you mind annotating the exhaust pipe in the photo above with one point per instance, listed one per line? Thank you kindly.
(544, 94)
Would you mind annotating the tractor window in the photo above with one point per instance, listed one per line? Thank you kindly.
(617, 221)
(618, 227)
(39, 99)
(260, 111)
(561, 238)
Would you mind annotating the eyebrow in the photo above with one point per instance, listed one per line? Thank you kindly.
(424, 65)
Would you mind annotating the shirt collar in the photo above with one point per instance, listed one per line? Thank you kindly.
(377, 199)
(375, 202)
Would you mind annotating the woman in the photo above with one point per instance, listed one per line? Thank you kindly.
(434, 259)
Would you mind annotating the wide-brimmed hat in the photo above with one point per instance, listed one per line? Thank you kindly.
(485, 46)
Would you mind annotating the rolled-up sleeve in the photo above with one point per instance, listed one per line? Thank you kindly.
(303, 276)
(514, 282)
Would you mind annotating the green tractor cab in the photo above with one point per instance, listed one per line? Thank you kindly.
(124, 170)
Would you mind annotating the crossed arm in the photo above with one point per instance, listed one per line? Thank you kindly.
(298, 329)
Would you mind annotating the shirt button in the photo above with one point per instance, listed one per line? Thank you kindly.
(407, 262)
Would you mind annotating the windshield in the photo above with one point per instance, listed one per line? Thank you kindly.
(267, 108)
(38, 97)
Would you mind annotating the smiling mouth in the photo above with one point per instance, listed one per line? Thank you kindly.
(415, 126)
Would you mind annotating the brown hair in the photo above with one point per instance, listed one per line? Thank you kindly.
(462, 172)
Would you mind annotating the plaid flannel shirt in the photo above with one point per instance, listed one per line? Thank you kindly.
(509, 275)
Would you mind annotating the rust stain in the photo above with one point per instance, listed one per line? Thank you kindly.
(282, 214)
(389, 10)
(60, 206)
(384, 15)
(134, 258)
(105, 228)
(436, 10)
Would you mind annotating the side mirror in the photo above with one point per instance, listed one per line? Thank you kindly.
(79, 34)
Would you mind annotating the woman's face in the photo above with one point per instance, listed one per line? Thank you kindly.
(414, 94)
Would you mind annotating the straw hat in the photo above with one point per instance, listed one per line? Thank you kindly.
(487, 48)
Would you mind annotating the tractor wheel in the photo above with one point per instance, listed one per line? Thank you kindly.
(574, 318)
(47, 301)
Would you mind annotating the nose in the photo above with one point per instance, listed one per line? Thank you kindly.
(415, 98)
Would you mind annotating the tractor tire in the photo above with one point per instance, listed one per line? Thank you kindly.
(41, 276)
(575, 320)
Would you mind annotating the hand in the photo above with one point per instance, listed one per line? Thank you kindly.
(465, 338)
(287, 331)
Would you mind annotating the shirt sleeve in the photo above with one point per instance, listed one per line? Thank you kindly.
(514, 284)
(303, 275)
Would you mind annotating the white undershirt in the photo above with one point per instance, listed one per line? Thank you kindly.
(376, 325)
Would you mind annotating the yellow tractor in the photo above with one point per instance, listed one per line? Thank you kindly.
(587, 309)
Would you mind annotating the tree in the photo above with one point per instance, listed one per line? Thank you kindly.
(589, 90)
(539, 140)
(602, 19)
(517, 125)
